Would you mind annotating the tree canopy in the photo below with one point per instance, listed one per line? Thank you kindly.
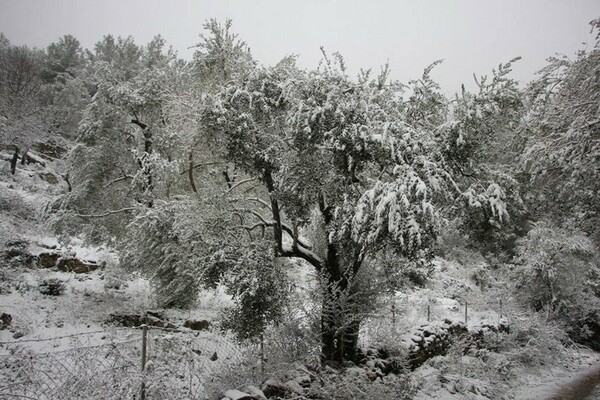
(221, 169)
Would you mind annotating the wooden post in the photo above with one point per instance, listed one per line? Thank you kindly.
(144, 343)
(394, 313)
(428, 313)
(466, 313)
(24, 157)
(262, 355)
(501, 311)
(13, 161)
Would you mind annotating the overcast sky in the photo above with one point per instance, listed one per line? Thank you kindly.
(471, 36)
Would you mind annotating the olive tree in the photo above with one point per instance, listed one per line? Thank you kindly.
(353, 156)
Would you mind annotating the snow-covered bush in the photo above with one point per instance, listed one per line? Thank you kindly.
(245, 372)
(165, 244)
(558, 275)
(355, 384)
(292, 340)
(258, 285)
(557, 267)
(52, 287)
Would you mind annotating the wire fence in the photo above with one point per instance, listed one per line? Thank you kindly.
(125, 363)
(160, 363)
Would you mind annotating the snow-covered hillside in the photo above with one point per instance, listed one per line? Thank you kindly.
(70, 329)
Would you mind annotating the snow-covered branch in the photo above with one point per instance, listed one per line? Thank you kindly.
(106, 214)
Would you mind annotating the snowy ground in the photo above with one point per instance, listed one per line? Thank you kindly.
(77, 319)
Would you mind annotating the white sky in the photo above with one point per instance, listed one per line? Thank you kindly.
(473, 36)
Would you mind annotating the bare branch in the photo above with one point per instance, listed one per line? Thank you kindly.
(240, 183)
(106, 214)
(260, 201)
(121, 178)
(191, 172)
(295, 238)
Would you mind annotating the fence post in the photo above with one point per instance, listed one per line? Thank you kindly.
(501, 310)
(144, 340)
(262, 355)
(466, 313)
(428, 313)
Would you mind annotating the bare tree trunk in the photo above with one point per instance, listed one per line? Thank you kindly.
(340, 325)
(147, 151)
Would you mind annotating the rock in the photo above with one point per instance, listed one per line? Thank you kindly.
(32, 158)
(135, 320)
(397, 365)
(156, 314)
(5, 320)
(273, 388)
(356, 371)
(49, 177)
(234, 394)
(214, 357)
(371, 375)
(332, 364)
(303, 380)
(255, 392)
(201, 325)
(438, 341)
(50, 149)
(48, 246)
(294, 386)
(48, 260)
(18, 335)
(75, 265)
(372, 352)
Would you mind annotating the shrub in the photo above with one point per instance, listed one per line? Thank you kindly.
(52, 287)
(341, 386)
(557, 276)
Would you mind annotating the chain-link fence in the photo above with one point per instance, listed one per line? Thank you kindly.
(108, 364)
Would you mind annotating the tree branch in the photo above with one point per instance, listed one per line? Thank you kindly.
(121, 178)
(295, 237)
(240, 183)
(106, 214)
(294, 251)
(227, 178)
(191, 172)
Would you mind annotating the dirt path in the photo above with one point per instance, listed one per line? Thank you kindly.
(584, 386)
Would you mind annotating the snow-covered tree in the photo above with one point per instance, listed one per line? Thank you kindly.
(562, 129)
(350, 155)
(66, 77)
(64, 57)
(479, 145)
(220, 56)
(126, 154)
(24, 112)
